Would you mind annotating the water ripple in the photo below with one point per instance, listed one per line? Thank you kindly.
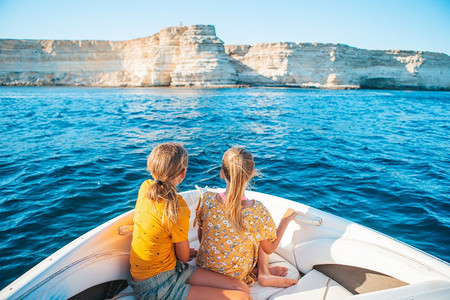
(72, 158)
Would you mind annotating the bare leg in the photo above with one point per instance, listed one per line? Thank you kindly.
(197, 292)
(207, 284)
(265, 278)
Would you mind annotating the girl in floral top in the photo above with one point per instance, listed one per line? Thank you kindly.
(236, 233)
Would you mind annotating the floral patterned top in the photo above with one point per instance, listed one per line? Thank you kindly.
(222, 248)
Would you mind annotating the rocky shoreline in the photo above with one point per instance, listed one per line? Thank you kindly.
(193, 56)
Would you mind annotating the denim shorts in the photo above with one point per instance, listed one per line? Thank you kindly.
(166, 285)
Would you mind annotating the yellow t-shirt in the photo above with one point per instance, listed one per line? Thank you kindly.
(152, 247)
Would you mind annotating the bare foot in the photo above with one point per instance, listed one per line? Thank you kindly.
(276, 281)
(278, 271)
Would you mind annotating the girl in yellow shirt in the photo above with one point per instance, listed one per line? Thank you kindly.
(160, 246)
(237, 233)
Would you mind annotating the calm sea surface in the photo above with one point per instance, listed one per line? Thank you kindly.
(73, 158)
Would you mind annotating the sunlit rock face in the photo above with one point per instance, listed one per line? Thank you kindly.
(195, 56)
(202, 60)
(338, 66)
(46, 62)
(140, 62)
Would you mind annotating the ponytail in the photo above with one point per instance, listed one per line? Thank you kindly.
(166, 162)
(238, 167)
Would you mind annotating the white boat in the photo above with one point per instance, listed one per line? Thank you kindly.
(332, 257)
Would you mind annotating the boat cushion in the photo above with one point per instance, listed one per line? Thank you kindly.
(314, 285)
(259, 292)
(370, 256)
(431, 289)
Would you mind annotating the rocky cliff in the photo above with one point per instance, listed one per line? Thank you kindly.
(195, 56)
(336, 65)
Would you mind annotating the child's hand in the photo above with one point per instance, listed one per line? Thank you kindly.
(192, 253)
(289, 215)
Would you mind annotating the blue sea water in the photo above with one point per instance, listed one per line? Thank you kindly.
(73, 158)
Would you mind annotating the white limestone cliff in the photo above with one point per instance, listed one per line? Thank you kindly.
(202, 60)
(339, 66)
(195, 56)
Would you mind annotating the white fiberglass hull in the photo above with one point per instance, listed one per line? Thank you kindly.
(315, 239)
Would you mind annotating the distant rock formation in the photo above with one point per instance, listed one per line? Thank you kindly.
(202, 59)
(195, 56)
(339, 66)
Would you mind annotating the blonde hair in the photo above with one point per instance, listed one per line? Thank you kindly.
(238, 168)
(165, 163)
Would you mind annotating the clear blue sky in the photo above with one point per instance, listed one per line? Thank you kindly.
(377, 24)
